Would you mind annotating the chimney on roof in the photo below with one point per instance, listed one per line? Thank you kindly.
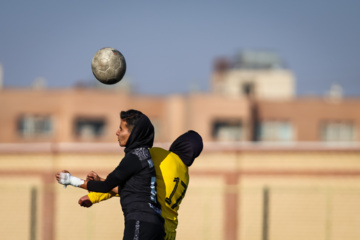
(39, 83)
(336, 91)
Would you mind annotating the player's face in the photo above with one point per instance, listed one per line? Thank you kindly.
(123, 133)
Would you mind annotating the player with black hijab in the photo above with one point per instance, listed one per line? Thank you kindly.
(172, 177)
(135, 178)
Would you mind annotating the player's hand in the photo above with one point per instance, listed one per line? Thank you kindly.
(84, 201)
(64, 177)
(57, 175)
(93, 176)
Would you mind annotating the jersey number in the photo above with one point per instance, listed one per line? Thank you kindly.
(168, 200)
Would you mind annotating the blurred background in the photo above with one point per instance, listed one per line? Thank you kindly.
(272, 87)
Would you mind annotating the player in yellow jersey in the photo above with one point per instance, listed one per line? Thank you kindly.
(172, 178)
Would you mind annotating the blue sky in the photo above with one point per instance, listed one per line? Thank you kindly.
(171, 45)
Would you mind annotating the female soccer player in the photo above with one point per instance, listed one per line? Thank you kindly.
(172, 178)
(135, 178)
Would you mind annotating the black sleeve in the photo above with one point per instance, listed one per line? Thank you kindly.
(129, 166)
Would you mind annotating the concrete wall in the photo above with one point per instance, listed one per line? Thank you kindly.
(312, 192)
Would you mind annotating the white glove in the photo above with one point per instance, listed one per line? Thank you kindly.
(67, 179)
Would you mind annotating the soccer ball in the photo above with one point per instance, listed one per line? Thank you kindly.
(108, 65)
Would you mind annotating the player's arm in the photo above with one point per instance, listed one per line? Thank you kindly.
(96, 197)
(127, 167)
(65, 178)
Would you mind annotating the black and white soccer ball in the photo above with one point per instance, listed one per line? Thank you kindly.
(108, 65)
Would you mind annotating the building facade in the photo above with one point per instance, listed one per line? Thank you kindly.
(274, 166)
(90, 115)
(252, 98)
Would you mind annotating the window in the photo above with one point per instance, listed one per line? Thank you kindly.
(338, 131)
(280, 131)
(230, 130)
(35, 126)
(89, 128)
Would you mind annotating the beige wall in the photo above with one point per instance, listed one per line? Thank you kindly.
(313, 192)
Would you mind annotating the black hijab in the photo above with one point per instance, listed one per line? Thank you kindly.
(142, 134)
(188, 147)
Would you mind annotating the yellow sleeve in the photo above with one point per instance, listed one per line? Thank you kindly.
(170, 235)
(170, 226)
(96, 197)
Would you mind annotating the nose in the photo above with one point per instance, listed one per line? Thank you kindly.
(117, 132)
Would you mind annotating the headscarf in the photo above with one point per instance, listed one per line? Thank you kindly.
(188, 147)
(142, 134)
